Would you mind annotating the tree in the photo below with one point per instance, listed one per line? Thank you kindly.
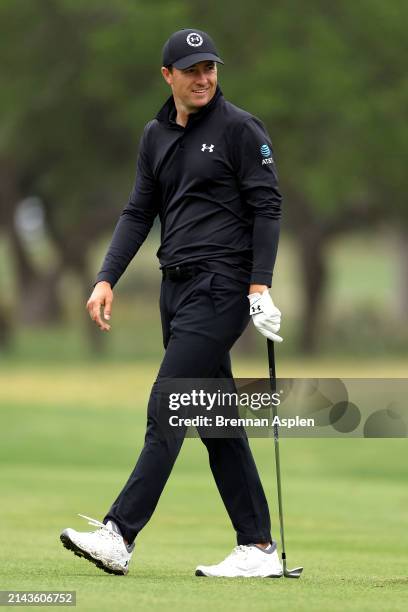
(329, 80)
(76, 96)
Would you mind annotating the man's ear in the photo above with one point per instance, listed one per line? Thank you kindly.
(167, 76)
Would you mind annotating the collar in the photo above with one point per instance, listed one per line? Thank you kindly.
(167, 113)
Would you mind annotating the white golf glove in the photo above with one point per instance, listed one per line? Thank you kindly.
(265, 315)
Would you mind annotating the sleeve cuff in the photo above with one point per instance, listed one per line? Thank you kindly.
(261, 278)
(105, 276)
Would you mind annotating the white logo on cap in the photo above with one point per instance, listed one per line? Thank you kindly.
(194, 39)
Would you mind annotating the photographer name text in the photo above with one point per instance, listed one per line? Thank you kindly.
(221, 421)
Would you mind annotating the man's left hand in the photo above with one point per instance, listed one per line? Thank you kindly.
(265, 315)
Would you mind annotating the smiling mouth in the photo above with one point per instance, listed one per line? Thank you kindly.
(200, 91)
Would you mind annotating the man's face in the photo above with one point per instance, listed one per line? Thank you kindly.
(194, 86)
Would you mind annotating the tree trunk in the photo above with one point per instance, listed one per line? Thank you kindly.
(5, 331)
(402, 295)
(94, 334)
(314, 276)
(38, 301)
(73, 251)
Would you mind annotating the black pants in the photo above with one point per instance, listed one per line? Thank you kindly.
(202, 317)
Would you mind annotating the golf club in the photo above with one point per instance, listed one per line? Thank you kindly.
(296, 572)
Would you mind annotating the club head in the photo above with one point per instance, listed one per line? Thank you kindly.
(293, 573)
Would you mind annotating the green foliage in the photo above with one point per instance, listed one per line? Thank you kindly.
(79, 80)
(329, 80)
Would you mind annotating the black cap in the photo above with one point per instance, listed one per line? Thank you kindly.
(187, 47)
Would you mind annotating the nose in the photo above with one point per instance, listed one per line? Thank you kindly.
(201, 77)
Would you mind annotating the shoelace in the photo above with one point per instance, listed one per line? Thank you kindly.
(106, 531)
(92, 521)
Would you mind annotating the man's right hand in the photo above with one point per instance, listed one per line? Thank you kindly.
(102, 296)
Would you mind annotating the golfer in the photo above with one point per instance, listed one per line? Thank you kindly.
(206, 168)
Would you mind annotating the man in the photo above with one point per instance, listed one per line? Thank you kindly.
(206, 168)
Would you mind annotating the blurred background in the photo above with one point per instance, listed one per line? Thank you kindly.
(78, 82)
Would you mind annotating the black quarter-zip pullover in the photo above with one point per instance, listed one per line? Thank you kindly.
(214, 186)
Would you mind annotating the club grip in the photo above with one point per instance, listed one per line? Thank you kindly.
(272, 367)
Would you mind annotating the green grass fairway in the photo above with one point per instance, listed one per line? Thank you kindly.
(70, 436)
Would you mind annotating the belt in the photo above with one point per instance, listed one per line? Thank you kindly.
(180, 273)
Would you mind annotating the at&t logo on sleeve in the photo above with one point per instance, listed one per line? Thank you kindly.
(266, 154)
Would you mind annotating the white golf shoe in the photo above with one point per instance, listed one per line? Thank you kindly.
(247, 561)
(104, 547)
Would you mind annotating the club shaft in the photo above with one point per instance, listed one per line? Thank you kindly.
(272, 376)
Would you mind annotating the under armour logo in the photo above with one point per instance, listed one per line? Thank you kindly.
(209, 148)
(255, 309)
(194, 39)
